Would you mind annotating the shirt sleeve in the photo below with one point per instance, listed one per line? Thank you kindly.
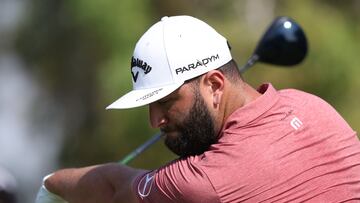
(179, 181)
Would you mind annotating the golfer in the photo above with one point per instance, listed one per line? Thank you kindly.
(235, 143)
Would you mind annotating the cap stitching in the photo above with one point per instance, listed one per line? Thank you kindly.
(165, 47)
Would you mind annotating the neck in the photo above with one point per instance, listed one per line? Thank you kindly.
(239, 95)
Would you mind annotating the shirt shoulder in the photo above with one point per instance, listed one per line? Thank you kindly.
(315, 108)
(182, 180)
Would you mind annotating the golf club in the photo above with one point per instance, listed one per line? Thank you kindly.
(284, 43)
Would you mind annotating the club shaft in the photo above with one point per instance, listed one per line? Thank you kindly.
(140, 149)
(252, 60)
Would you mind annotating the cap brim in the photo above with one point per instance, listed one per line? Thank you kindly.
(142, 97)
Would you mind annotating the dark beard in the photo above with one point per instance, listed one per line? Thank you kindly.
(196, 133)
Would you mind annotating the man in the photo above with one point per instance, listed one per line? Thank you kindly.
(235, 143)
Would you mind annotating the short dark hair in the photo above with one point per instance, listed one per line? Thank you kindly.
(7, 197)
(231, 71)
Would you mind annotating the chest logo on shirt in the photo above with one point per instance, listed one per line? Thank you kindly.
(296, 123)
(145, 185)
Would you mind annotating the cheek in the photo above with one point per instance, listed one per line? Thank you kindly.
(177, 115)
(179, 109)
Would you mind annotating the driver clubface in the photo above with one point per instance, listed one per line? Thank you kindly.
(284, 43)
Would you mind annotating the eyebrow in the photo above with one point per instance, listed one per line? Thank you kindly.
(171, 95)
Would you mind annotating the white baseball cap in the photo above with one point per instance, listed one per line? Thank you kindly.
(173, 50)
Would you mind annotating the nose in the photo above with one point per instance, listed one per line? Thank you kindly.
(157, 116)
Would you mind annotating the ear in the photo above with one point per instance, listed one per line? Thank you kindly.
(214, 82)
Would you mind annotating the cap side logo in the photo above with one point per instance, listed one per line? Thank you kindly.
(203, 62)
(135, 62)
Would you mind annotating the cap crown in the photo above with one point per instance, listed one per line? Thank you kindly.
(170, 52)
(177, 49)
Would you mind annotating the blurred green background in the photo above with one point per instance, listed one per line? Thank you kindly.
(80, 50)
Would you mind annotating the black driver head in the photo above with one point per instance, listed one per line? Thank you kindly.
(284, 43)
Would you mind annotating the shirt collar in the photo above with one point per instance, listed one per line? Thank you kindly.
(253, 110)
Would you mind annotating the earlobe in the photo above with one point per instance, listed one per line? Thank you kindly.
(216, 99)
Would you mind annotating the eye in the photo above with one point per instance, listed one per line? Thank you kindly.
(167, 102)
(163, 101)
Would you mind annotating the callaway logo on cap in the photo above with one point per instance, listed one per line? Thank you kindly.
(172, 51)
